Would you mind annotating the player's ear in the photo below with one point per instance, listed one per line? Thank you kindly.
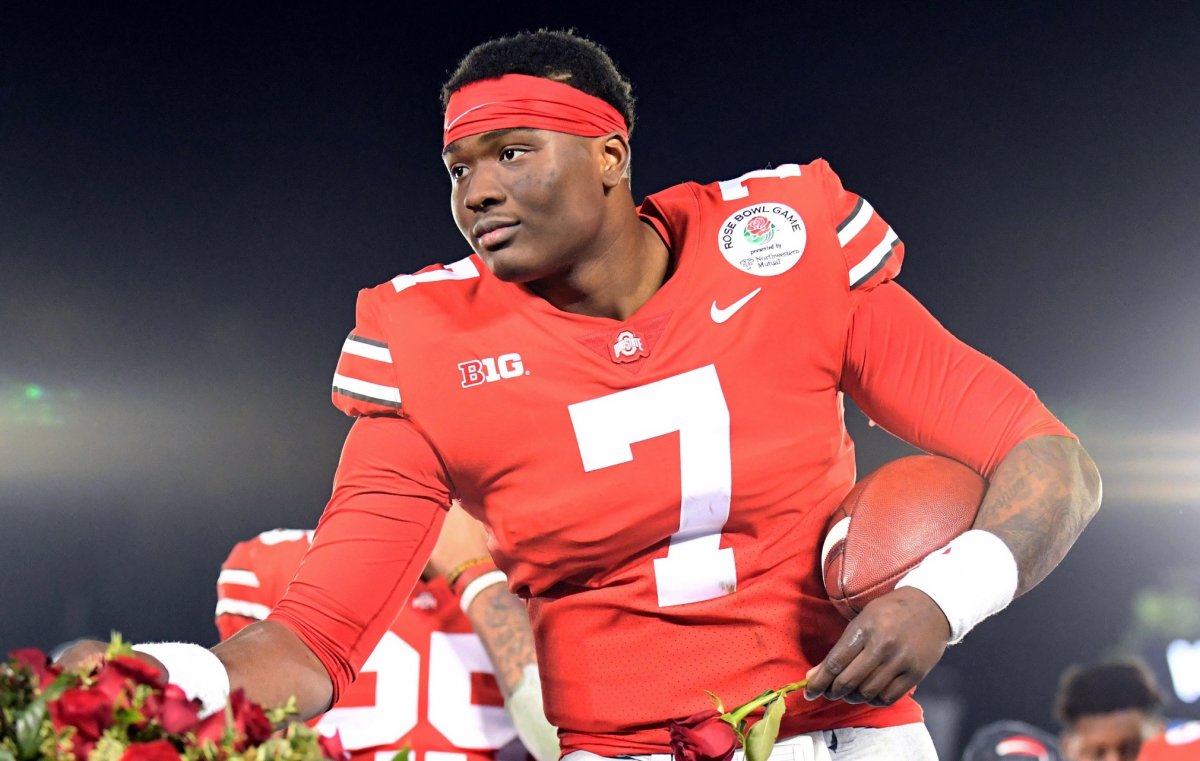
(614, 159)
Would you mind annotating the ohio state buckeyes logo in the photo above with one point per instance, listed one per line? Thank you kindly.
(765, 239)
(628, 347)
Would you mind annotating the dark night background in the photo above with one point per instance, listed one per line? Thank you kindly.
(191, 194)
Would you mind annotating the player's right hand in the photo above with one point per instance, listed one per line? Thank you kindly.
(885, 651)
(87, 655)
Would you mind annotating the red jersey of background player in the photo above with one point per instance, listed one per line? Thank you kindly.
(656, 488)
(428, 685)
(1179, 743)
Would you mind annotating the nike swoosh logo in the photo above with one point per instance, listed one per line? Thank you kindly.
(720, 315)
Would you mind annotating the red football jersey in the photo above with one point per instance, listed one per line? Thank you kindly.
(428, 685)
(656, 488)
(1180, 743)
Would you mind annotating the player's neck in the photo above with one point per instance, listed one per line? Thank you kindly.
(616, 279)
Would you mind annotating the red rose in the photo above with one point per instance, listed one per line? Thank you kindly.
(81, 748)
(249, 718)
(175, 713)
(758, 226)
(157, 750)
(89, 711)
(211, 729)
(136, 670)
(250, 724)
(332, 746)
(704, 736)
(113, 685)
(37, 662)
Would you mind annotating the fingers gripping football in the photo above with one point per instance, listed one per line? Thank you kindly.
(884, 652)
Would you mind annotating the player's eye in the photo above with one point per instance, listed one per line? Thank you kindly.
(510, 153)
(457, 171)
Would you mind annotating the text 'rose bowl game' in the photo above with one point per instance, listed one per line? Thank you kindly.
(890, 521)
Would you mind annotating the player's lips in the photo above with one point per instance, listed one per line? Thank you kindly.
(493, 233)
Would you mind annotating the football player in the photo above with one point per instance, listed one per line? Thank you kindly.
(430, 684)
(1113, 712)
(644, 406)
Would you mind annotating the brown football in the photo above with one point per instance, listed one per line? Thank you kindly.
(890, 521)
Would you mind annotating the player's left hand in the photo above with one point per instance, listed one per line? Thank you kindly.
(884, 652)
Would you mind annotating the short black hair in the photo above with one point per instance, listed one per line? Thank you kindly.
(561, 55)
(1107, 688)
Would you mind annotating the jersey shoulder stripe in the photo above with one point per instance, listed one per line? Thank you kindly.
(239, 577)
(228, 606)
(366, 379)
(875, 260)
(258, 570)
(364, 382)
(870, 247)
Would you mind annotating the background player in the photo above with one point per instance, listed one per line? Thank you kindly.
(1113, 712)
(431, 683)
(750, 305)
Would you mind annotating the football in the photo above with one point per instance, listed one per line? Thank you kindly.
(890, 521)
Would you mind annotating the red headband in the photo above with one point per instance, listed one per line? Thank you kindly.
(518, 100)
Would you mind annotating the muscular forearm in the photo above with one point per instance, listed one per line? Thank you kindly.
(1040, 498)
(501, 622)
(271, 663)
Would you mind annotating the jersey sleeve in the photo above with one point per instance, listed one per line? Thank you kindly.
(916, 380)
(389, 498)
(254, 577)
(872, 250)
(365, 380)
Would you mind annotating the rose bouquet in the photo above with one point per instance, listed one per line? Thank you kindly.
(715, 734)
(126, 711)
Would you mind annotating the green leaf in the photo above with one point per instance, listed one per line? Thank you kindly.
(117, 646)
(402, 754)
(29, 729)
(6, 755)
(280, 714)
(716, 701)
(760, 740)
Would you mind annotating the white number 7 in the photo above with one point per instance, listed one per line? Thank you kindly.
(696, 567)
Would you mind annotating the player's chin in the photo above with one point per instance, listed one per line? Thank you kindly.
(512, 264)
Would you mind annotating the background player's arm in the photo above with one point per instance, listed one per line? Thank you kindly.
(498, 617)
(502, 623)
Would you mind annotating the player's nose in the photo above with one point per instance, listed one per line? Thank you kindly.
(483, 190)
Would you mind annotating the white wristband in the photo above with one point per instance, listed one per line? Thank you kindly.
(970, 579)
(528, 716)
(477, 585)
(195, 669)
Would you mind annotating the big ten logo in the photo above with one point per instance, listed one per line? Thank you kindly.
(491, 369)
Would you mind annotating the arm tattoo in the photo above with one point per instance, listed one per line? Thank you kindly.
(1040, 498)
(502, 624)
